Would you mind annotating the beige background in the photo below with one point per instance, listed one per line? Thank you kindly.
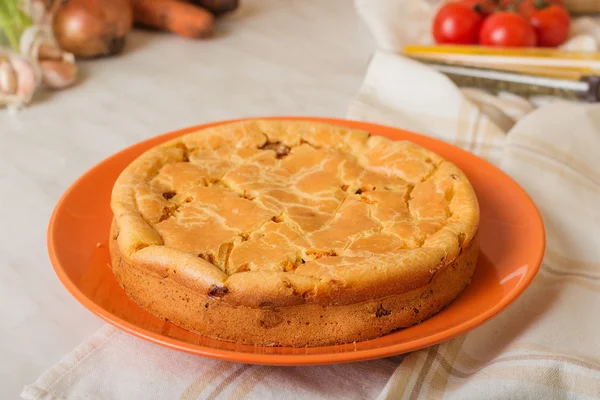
(271, 58)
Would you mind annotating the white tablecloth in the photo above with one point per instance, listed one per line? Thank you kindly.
(270, 58)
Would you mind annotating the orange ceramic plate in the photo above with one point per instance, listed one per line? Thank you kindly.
(511, 237)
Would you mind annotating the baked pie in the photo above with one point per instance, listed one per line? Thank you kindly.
(292, 233)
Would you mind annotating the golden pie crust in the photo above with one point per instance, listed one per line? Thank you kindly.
(292, 233)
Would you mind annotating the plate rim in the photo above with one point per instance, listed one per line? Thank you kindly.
(296, 359)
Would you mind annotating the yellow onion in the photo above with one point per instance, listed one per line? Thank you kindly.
(92, 28)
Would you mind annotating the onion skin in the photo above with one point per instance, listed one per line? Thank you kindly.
(92, 28)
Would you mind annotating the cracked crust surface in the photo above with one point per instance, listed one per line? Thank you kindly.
(292, 214)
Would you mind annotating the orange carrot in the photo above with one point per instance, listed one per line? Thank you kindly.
(181, 18)
(217, 7)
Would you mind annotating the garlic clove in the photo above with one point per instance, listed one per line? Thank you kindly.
(58, 74)
(27, 80)
(47, 51)
(8, 78)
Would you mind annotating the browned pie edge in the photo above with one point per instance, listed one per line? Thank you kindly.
(294, 325)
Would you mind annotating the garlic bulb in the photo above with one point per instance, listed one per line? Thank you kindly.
(8, 78)
(56, 67)
(27, 78)
(41, 60)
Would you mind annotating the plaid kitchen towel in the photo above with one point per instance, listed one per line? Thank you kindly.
(547, 344)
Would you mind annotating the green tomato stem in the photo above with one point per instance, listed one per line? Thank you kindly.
(541, 4)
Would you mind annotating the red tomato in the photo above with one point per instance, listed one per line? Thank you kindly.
(507, 29)
(552, 25)
(456, 23)
(525, 7)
